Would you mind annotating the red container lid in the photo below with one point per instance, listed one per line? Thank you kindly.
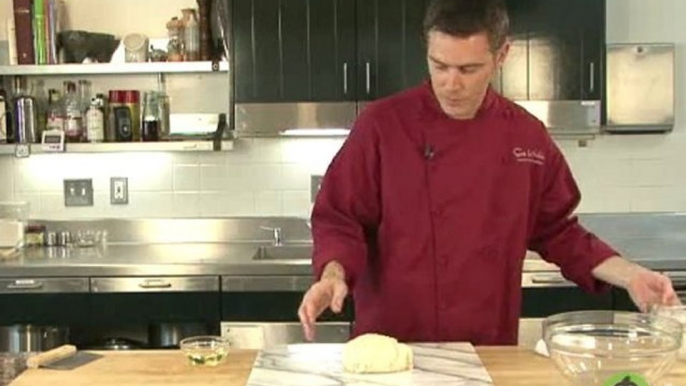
(132, 96)
(124, 96)
(116, 96)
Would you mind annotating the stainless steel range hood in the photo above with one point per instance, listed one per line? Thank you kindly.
(294, 119)
(566, 117)
(335, 118)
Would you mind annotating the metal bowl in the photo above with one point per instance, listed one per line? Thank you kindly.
(592, 347)
(205, 350)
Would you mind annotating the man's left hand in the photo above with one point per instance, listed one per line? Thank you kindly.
(648, 288)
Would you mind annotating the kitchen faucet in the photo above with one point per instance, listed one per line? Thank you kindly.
(278, 237)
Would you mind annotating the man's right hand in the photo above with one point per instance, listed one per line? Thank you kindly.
(329, 292)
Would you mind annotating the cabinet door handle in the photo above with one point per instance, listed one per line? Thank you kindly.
(150, 284)
(592, 77)
(368, 77)
(345, 78)
(25, 285)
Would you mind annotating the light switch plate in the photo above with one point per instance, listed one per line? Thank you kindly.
(119, 191)
(78, 192)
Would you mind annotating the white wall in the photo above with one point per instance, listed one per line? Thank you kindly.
(271, 177)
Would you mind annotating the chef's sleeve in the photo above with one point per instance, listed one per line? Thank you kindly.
(347, 208)
(557, 234)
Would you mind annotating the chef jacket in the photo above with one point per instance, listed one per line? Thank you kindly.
(431, 218)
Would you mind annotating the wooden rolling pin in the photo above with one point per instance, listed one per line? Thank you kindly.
(53, 355)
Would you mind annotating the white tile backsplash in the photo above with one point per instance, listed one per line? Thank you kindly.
(294, 177)
(296, 203)
(213, 178)
(264, 177)
(268, 203)
(186, 205)
(186, 178)
(224, 204)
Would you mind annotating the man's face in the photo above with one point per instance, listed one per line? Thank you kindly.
(460, 70)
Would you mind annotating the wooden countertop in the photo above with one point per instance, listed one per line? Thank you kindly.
(508, 366)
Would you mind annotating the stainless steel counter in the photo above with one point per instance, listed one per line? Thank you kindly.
(243, 247)
(156, 260)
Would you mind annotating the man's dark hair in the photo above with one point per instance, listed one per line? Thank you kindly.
(463, 18)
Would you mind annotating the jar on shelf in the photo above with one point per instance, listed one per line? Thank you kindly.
(175, 44)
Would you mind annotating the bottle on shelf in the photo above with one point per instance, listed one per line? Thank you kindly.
(95, 122)
(164, 109)
(73, 125)
(150, 130)
(191, 35)
(24, 125)
(40, 94)
(4, 116)
(204, 9)
(55, 113)
(175, 44)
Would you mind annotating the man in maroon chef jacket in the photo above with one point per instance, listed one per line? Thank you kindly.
(428, 209)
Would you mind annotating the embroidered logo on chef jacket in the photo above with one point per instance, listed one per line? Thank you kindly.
(528, 155)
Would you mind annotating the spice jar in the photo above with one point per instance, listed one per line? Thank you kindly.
(34, 235)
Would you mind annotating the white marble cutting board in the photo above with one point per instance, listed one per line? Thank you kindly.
(316, 364)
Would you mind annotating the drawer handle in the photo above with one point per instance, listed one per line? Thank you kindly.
(549, 280)
(25, 285)
(151, 284)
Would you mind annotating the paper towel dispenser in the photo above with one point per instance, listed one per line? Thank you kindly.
(640, 88)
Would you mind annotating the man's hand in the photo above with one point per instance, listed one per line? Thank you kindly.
(645, 287)
(648, 288)
(329, 292)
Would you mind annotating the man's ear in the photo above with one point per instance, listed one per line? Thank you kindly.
(502, 52)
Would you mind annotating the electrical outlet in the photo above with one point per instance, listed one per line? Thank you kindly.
(78, 192)
(119, 191)
(315, 183)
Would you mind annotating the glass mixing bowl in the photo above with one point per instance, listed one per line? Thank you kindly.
(205, 350)
(590, 347)
(678, 313)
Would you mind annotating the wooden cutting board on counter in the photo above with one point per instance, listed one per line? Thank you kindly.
(145, 368)
(507, 366)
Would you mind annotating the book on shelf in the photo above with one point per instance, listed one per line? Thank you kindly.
(24, 31)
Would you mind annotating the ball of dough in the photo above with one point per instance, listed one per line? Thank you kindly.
(375, 353)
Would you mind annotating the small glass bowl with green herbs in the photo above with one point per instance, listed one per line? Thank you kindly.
(205, 350)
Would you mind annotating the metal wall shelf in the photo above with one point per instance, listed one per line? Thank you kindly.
(173, 146)
(116, 68)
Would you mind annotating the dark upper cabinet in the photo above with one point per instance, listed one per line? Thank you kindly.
(593, 49)
(294, 50)
(391, 53)
(556, 52)
(350, 50)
